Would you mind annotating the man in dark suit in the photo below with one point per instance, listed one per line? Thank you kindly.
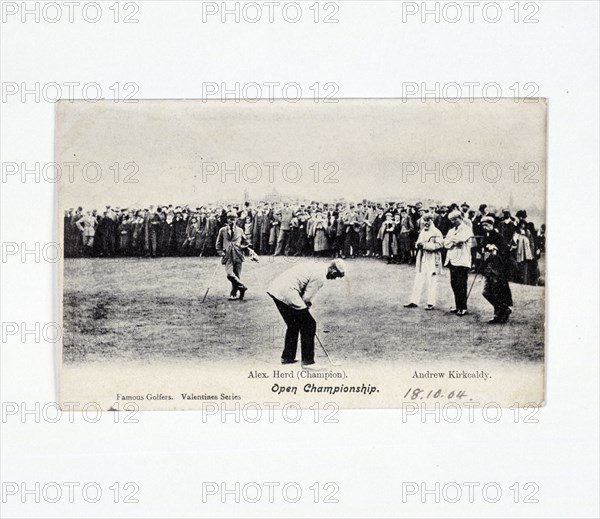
(377, 223)
(496, 254)
(231, 244)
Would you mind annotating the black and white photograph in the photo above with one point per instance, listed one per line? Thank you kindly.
(360, 250)
(299, 259)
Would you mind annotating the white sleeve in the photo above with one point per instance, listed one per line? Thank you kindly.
(313, 286)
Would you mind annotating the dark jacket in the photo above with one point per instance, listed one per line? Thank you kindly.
(231, 244)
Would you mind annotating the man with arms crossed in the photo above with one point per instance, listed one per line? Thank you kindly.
(458, 259)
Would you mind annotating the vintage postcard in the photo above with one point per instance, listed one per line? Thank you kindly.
(360, 253)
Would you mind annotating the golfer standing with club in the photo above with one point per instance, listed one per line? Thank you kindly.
(231, 244)
(496, 270)
(293, 292)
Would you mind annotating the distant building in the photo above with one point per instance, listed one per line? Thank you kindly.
(274, 196)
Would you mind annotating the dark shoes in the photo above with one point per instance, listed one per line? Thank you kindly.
(288, 361)
(502, 316)
(414, 305)
(242, 293)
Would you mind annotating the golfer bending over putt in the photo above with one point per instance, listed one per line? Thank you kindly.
(293, 292)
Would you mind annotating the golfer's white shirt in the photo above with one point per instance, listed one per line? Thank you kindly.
(299, 285)
(458, 242)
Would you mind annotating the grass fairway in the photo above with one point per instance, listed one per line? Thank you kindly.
(150, 310)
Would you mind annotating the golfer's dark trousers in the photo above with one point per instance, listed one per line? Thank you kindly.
(234, 273)
(298, 321)
(458, 282)
(351, 242)
(497, 292)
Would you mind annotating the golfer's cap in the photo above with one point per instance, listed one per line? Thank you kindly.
(487, 219)
(231, 215)
(464, 204)
(339, 265)
(454, 214)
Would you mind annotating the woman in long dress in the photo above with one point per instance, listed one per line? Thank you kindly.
(387, 235)
(319, 232)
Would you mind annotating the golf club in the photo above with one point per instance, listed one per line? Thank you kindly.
(477, 272)
(253, 257)
(473, 283)
(218, 264)
(327, 354)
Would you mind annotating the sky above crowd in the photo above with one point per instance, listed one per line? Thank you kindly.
(193, 152)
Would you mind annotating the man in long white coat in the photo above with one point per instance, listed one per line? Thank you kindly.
(428, 265)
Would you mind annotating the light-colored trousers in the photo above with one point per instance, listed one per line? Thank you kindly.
(430, 282)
